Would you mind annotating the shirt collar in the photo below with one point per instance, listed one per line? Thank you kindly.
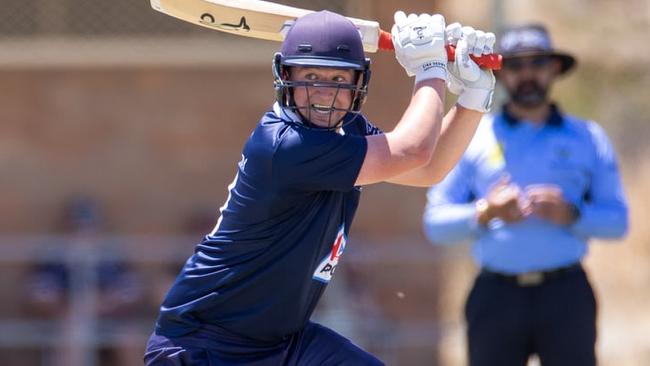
(285, 114)
(554, 118)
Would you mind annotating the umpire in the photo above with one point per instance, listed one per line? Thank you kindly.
(533, 186)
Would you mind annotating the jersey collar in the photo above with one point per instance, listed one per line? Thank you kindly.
(285, 114)
(554, 119)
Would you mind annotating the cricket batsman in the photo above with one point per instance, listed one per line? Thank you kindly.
(246, 295)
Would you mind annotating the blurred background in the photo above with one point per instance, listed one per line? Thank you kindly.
(120, 129)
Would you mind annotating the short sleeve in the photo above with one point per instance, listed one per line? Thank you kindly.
(314, 160)
(372, 129)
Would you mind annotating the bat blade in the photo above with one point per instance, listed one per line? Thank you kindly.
(257, 19)
(251, 18)
(270, 21)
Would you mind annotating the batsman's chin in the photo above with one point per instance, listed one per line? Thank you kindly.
(327, 120)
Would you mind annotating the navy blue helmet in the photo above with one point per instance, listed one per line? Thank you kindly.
(321, 39)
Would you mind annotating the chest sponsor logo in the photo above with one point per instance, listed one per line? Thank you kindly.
(327, 266)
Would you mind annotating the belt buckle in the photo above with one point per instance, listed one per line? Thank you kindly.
(530, 279)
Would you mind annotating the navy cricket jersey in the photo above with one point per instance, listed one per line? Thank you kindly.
(262, 270)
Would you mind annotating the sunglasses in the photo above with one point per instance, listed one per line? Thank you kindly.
(519, 63)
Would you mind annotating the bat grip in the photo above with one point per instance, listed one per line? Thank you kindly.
(492, 61)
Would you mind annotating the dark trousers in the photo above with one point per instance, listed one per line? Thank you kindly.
(315, 345)
(508, 322)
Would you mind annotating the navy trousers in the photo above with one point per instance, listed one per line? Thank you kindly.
(555, 320)
(313, 346)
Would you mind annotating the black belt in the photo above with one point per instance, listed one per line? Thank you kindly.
(533, 278)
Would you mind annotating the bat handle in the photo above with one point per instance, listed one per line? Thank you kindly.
(492, 61)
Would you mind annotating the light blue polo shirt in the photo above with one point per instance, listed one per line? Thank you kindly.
(568, 152)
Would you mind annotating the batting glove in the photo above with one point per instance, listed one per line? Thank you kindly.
(419, 43)
(473, 85)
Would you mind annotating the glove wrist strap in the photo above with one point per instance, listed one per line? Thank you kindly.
(431, 70)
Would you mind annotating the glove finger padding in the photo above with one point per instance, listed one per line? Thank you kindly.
(469, 34)
(420, 45)
(453, 33)
(401, 21)
(479, 46)
(400, 18)
(490, 40)
(467, 69)
(475, 86)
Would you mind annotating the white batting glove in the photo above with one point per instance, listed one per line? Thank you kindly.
(473, 85)
(420, 45)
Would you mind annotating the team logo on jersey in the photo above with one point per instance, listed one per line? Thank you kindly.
(327, 266)
(496, 157)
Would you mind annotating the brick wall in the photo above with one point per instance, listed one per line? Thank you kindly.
(154, 145)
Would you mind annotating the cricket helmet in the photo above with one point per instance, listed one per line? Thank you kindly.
(321, 39)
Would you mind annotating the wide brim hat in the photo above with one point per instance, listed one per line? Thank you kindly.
(532, 40)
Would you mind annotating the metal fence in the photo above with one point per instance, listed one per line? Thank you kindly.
(82, 331)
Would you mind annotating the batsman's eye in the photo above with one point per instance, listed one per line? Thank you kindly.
(342, 79)
(311, 77)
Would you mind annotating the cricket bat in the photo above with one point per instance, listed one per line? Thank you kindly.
(271, 21)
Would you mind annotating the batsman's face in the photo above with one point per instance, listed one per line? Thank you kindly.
(323, 100)
(529, 79)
